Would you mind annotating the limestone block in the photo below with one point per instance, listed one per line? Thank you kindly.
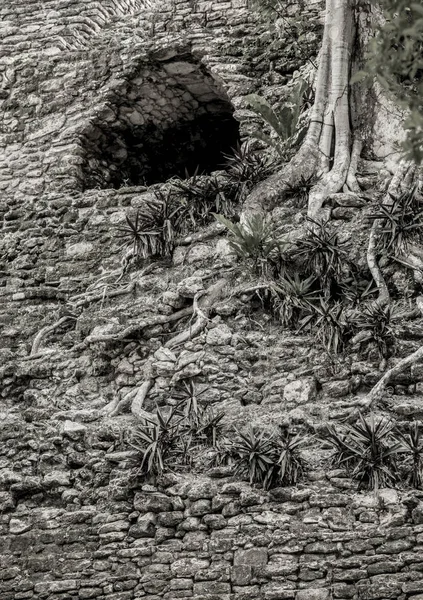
(56, 479)
(6, 501)
(313, 594)
(17, 526)
(254, 557)
(79, 251)
(190, 286)
(300, 391)
(155, 503)
(219, 336)
(73, 430)
(145, 527)
(188, 567)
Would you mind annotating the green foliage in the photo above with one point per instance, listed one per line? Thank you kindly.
(247, 166)
(395, 59)
(266, 458)
(255, 241)
(284, 123)
(412, 444)
(377, 321)
(324, 255)
(403, 222)
(368, 450)
(292, 297)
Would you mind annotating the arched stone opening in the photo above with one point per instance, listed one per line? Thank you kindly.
(170, 119)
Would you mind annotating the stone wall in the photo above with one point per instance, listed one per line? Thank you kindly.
(76, 524)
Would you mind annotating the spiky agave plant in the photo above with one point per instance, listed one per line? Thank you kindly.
(248, 166)
(411, 443)
(256, 241)
(301, 190)
(368, 450)
(290, 464)
(254, 454)
(329, 322)
(291, 298)
(155, 227)
(403, 221)
(324, 255)
(377, 321)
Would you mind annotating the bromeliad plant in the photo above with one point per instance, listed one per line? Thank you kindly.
(267, 459)
(247, 166)
(257, 242)
(375, 323)
(329, 322)
(403, 222)
(368, 450)
(157, 440)
(301, 190)
(155, 227)
(411, 443)
(292, 297)
(323, 255)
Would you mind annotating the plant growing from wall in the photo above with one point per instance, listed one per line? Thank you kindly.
(375, 323)
(403, 222)
(368, 450)
(328, 323)
(323, 255)
(411, 443)
(248, 166)
(284, 123)
(257, 242)
(267, 458)
(292, 297)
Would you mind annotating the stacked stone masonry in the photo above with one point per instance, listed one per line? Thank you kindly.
(76, 522)
(83, 527)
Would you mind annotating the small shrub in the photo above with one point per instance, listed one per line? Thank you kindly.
(368, 450)
(256, 241)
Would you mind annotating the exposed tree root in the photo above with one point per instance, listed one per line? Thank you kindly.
(214, 230)
(41, 335)
(201, 309)
(326, 149)
(377, 391)
(136, 328)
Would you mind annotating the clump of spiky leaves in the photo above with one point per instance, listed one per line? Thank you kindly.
(267, 458)
(248, 166)
(329, 324)
(292, 297)
(203, 195)
(300, 191)
(323, 254)
(284, 122)
(403, 222)
(257, 242)
(377, 322)
(156, 439)
(411, 443)
(156, 225)
(356, 290)
(368, 450)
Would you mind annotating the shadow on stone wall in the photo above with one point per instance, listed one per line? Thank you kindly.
(170, 119)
